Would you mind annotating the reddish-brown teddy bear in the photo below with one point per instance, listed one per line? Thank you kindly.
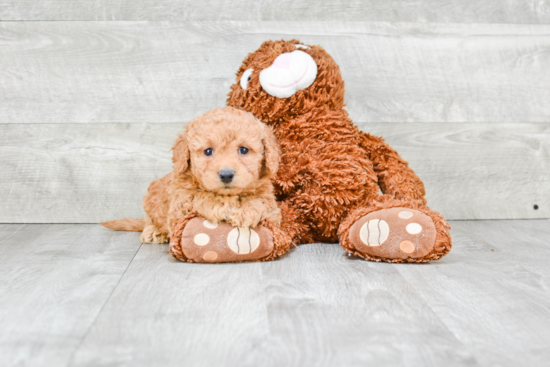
(331, 174)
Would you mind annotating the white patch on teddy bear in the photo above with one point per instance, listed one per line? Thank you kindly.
(289, 73)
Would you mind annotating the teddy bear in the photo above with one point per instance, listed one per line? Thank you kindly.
(335, 183)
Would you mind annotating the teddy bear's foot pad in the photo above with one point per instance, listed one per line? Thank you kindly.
(205, 242)
(395, 233)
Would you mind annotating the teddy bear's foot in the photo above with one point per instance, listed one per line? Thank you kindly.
(206, 242)
(398, 234)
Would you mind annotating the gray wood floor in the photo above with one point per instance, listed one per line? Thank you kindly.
(81, 295)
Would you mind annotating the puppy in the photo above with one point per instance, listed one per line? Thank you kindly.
(223, 166)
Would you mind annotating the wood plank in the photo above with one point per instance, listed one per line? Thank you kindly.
(55, 280)
(533, 236)
(312, 308)
(488, 293)
(477, 171)
(82, 173)
(168, 313)
(455, 11)
(82, 72)
(327, 309)
(435, 11)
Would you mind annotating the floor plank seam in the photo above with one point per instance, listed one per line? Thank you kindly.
(77, 348)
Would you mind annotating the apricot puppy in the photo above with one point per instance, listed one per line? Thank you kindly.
(223, 165)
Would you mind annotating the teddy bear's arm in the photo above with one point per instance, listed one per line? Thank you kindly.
(395, 177)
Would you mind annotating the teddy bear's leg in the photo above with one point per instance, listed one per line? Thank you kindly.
(195, 239)
(393, 230)
(294, 222)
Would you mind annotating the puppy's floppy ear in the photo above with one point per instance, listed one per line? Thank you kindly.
(271, 152)
(181, 155)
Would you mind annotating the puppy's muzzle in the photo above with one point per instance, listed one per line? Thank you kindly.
(226, 175)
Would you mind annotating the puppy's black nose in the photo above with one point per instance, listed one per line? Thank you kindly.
(226, 175)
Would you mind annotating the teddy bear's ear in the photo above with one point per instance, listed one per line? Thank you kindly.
(181, 155)
(289, 73)
(271, 152)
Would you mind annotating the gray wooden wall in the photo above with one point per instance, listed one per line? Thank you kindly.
(92, 94)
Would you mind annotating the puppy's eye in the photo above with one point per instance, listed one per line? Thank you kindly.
(247, 76)
(209, 151)
(243, 150)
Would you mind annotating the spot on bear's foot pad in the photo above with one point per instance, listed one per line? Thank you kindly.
(395, 233)
(204, 241)
(210, 256)
(243, 240)
(374, 232)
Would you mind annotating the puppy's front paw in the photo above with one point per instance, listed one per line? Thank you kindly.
(151, 234)
(204, 241)
(245, 219)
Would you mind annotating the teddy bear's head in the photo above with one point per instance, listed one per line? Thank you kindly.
(285, 79)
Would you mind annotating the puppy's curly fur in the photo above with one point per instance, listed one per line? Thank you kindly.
(195, 184)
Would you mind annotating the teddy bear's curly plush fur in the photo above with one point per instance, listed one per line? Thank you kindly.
(331, 173)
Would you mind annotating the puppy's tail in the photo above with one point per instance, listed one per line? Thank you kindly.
(135, 225)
